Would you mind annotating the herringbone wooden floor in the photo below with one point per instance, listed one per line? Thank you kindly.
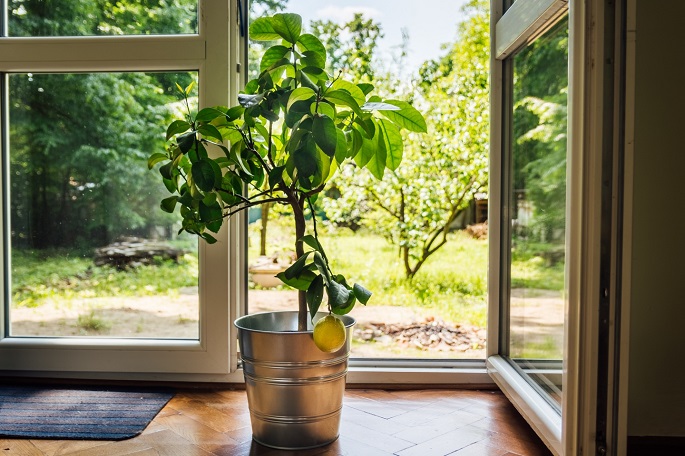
(374, 423)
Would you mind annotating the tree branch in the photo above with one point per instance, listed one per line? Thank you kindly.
(255, 203)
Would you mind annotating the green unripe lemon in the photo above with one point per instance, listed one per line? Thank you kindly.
(329, 334)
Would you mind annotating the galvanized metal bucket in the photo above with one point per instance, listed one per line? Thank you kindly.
(294, 390)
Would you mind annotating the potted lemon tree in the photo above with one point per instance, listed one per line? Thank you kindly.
(293, 126)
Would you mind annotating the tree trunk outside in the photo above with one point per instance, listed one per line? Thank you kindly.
(265, 222)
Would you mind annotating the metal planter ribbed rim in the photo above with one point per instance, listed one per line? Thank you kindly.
(347, 320)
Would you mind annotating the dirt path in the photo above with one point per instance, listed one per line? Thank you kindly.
(536, 319)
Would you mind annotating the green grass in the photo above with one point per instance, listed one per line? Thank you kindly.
(92, 322)
(532, 268)
(452, 285)
(39, 276)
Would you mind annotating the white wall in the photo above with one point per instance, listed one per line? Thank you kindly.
(657, 330)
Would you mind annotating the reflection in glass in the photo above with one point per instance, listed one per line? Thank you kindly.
(538, 206)
(91, 253)
(101, 17)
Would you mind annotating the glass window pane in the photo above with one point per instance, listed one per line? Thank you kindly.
(91, 253)
(429, 298)
(538, 207)
(101, 17)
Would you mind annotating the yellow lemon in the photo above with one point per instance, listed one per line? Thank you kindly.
(329, 334)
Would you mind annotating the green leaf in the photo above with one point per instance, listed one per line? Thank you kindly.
(317, 73)
(338, 295)
(300, 282)
(165, 170)
(293, 116)
(341, 148)
(362, 294)
(208, 238)
(186, 141)
(276, 176)
(297, 267)
(377, 163)
(352, 89)
(325, 134)
(365, 87)
(287, 25)
(311, 242)
(355, 145)
(211, 215)
(300, 94)
(368, 150)
(306, 160)
(312, 59)
(234, 113)
(236, 158)
(349, 305)
(325, 109)
(170, 185)
(203, 175)
(306, 81)
(323, 163)
(322, 266)
(262, 29)
(368, 127)
(314, 295)
(197, 153)
(309, 42)
(271, 56)
(210, 131)
(407, 116)
(393, 144)
(169, 204)
(176, 127)
(343, 98)
(156, 158)
(208, 114)
(189, 88)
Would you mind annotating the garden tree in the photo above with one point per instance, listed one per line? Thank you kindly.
(540, 121)
(75, 177)
(351, 46)
(414, 207)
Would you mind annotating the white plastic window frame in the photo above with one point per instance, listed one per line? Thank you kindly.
(214, 52)
(522, 23)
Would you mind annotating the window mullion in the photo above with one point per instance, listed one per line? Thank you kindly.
(101, 53)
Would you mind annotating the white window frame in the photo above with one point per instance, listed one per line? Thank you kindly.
(522, 23)
(219, 53)
(590, 128)
(214, 53)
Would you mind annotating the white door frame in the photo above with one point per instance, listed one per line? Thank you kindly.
(592, 120)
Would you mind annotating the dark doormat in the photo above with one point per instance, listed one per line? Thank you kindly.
(91, 413)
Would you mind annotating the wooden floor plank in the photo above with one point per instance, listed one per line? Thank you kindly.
(374, 423)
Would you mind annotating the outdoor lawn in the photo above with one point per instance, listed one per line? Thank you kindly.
(449, 294)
